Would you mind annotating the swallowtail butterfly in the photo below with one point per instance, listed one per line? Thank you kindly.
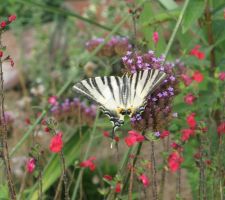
(120, 96)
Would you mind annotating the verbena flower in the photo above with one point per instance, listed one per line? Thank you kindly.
(158, 111)
(74, 110)
(115, 46)
(186, 134)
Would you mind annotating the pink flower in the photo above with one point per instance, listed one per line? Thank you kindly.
(198, 76)
(189, 99)
(118, 188)
(89, 163)
(222, 76)
(53, 100)
(107, 177)
(186, 134)
(221, 129)
(144, 179)
(56, 143)
(155, 37)
(3, 24)
(12, 18)
(133, 138)
(164, 134)
(30, 165)
(186, 79)
(191, 120)
(174, 161)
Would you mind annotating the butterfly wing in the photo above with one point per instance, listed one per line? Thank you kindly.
(142, 84)
(107, 92)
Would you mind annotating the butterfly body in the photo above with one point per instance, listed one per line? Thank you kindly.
(120, 96)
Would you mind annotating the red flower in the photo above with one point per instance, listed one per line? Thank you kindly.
(189, 99)
(155, 37)
(144, 179)
(89, 163)
(198, 77)
(1, 53)
(191, 120)
(174, 161)
(30, 165)
(27, 121)
(200, 55)
(3, 24)
(133, 138)
(106, 133)
(53, 100)
(164, 134)
(108, 177)
(221, 75)
(186, 79)
(11, 18)
(56, 143)
(221, 129)
(186, 133)
(197, 53)
(118, 188)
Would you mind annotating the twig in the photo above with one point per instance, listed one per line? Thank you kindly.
(3, 136)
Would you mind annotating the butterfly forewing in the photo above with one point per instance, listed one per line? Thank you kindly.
(142, 84)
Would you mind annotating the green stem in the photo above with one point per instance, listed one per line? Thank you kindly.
(176, 28)
(85, 158)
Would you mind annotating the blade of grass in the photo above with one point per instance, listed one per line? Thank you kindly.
(64, 12)
(176, 28)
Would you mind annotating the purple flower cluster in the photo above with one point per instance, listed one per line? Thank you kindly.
(116, 46)
(74, 111)
(159, 109)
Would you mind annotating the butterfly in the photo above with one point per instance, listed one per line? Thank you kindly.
(120, 96)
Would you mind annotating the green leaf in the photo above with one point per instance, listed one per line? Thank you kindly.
(193, 12)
